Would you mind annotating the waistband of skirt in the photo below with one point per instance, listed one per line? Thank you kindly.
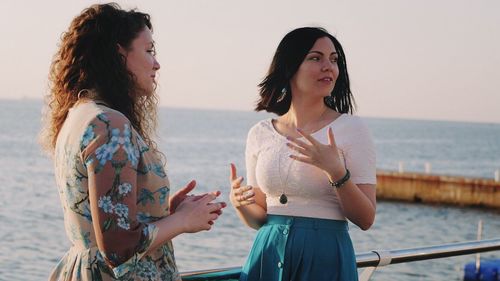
(305, 222)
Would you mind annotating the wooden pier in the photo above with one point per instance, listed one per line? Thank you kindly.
(438, 189)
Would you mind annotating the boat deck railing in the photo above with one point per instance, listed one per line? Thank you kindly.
(373, 259)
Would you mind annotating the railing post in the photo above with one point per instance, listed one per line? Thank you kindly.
(367, 273)
(479, 234)
(384, 258)
(400, 167)
(427, 167)
(497, 175)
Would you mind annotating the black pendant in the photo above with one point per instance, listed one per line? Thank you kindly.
(283, 199)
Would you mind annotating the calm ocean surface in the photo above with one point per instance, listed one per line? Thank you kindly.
(200, 145)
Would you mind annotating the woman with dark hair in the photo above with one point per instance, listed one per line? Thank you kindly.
(309, 170)
(110, 176)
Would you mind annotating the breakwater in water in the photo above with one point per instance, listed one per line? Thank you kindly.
(438, 189)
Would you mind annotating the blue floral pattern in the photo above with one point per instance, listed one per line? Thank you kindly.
(109, 161)
(124, 188)
(105, 204)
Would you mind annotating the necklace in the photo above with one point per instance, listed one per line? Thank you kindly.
(283, 198)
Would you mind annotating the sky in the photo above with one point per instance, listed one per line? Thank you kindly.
(426, 59)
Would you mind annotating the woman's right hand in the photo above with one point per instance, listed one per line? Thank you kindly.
(200, 213)
(240, 195)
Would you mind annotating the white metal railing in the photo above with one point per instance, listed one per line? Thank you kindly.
(374, 259)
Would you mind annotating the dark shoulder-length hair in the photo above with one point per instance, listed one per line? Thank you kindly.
(289, 55)
(88, 59)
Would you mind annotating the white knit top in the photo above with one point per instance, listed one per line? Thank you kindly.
(309, 193)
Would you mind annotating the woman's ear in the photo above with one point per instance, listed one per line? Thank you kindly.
(121, 50)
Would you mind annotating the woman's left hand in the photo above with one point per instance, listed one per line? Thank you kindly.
(182, 194)
(179, 196)
(323, 156)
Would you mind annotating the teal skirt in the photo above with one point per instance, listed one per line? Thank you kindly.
(297, 248)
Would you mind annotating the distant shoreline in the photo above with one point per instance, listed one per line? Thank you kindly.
(173, 107)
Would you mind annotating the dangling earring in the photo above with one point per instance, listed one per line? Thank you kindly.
(282, 95)
(329, 101)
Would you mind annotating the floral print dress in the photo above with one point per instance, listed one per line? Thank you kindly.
(112, 187)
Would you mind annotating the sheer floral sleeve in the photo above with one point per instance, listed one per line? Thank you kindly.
(111, 156)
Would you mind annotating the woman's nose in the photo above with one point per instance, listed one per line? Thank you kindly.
(156, 65)
(327, 65)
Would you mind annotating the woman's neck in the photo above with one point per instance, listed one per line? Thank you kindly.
(303, 114)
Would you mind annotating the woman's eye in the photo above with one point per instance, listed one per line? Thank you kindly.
(314, 58)
(152, 52)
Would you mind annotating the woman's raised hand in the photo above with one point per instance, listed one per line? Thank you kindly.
(181, 195)
(199, 211)
(240, 195)
(323, 156)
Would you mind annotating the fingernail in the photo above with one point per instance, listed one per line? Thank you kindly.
(223, 204)
(288, 138)
(298, 129)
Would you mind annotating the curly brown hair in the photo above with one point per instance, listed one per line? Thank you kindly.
(88, 58)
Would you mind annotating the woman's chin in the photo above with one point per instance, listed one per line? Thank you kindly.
(145, 91)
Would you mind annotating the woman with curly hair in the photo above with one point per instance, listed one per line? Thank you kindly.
(110, 176)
